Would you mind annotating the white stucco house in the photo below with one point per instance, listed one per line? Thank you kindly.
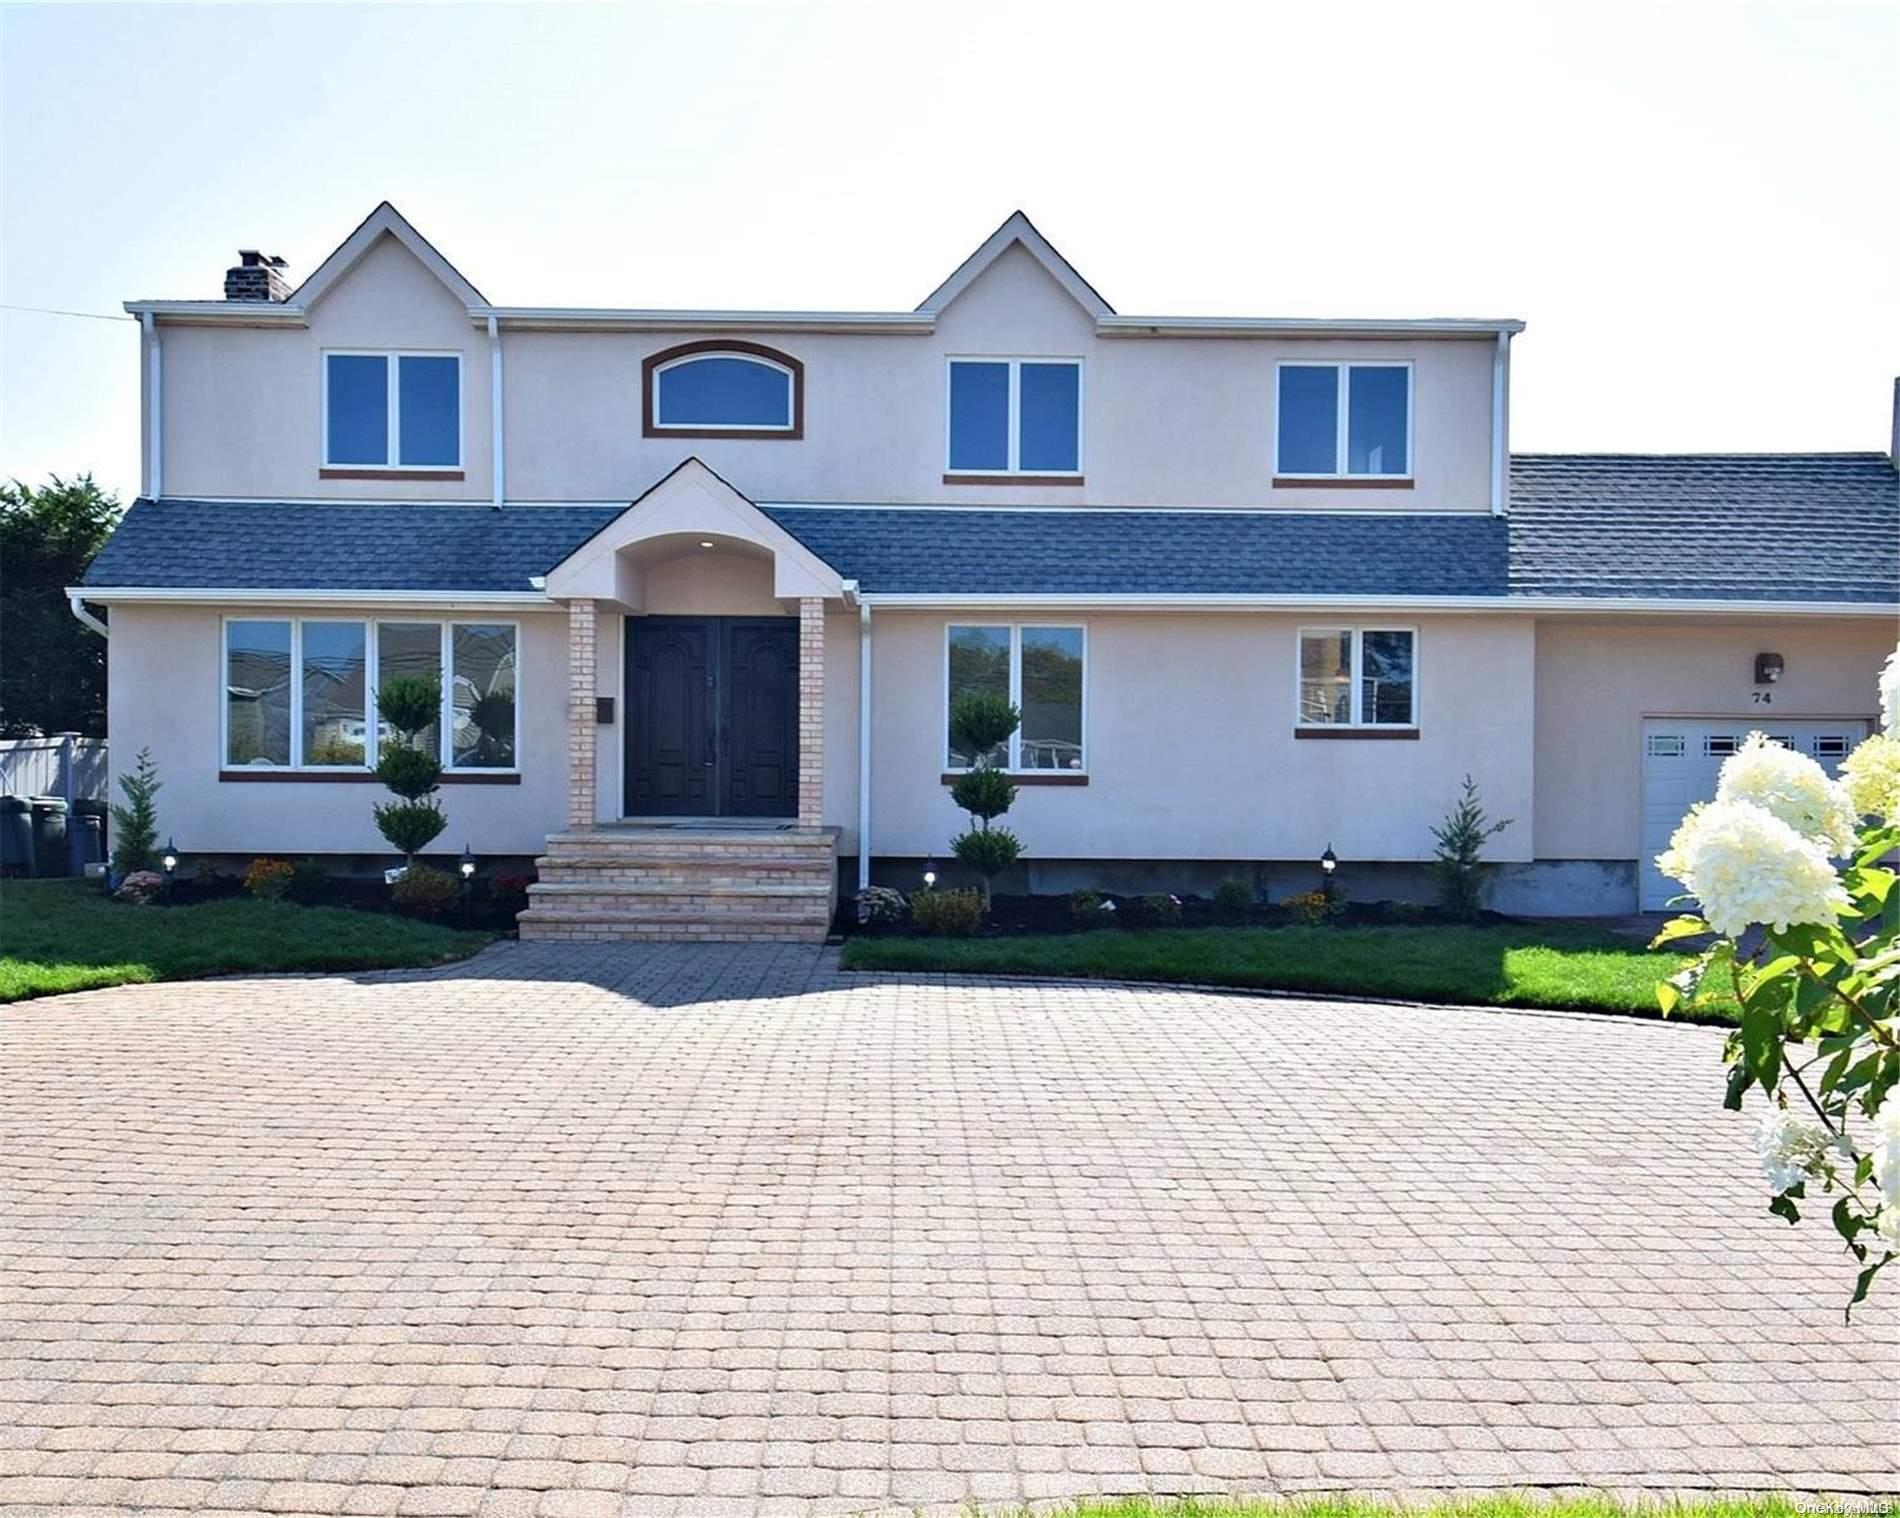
(700, 585)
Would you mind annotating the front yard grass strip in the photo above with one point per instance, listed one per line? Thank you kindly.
(1504, 1505)
(63, 935)
(1562, 967)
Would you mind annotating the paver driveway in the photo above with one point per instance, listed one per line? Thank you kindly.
(711, 1230)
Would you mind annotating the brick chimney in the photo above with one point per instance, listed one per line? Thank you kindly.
(258, 276)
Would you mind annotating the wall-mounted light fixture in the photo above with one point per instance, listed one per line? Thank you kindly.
(1768, 668)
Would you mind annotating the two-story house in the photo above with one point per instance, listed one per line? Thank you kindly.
(700, 586)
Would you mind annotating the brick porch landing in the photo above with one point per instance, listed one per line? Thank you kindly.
(715, 883)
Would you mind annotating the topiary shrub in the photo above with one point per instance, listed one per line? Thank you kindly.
(1233, 898)
(880, 906)
(425, 892)
(409, 703)
(951, 914)
(269, 879)
(980, 724)
(409, 772)
(1158, 910)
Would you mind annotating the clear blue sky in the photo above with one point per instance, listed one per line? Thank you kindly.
(1694, 207)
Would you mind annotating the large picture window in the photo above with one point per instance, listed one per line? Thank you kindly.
(1038, 668)
(300, 692)
(1358, 677)
(392, 410)
(1344, 420)
(1015, 416)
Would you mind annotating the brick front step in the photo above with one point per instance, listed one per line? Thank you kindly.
(619, 927)
(679, 884)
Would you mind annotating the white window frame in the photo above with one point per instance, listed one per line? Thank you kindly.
(372, 680)
(1015, 365)
(1013, 762)
(1342, 443)
(1356, 682)
(393, 389)
(660, 424)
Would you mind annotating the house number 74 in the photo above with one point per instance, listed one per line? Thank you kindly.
(1764, 698)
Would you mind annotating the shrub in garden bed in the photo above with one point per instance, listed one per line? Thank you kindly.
(421, 891)
(1156, 910)
(953, 914)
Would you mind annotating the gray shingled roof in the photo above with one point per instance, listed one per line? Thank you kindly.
(1758, 527)
(1121, 552)
(340, 545)
(1782, 527)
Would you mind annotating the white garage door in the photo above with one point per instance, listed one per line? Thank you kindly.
(1681, 760)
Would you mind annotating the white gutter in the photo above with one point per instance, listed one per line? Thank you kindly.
(1500, 441)
(154, 411)
(107, 595)
(86, 619)
(864, 743)
(494, 409)
(222, 313)
(1303, 326)
(1518, 605)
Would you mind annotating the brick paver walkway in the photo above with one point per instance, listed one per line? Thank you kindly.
(716, 1231)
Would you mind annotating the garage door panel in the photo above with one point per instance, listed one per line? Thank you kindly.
(1682, 762)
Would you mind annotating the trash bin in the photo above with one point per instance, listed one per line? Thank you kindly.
(49, 836)
(85, 835)
(16, 835)
(101, 811)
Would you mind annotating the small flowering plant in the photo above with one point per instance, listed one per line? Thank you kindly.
(1791, 871)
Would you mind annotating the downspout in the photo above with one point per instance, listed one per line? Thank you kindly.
(154, 412)
(86, 619)
(1500, 442)
(864, 744)
(494, 409)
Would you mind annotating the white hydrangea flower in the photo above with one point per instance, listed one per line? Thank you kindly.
(1794, 788)
(1887, 1227)
(1791, 1148)
(1871, 775)
(1745, 865)
(1890, 692)
(1886, 1151)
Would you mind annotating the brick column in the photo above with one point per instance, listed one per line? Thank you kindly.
(811, 711)
(582, 634)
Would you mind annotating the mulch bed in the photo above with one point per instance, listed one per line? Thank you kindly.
(1018, 916)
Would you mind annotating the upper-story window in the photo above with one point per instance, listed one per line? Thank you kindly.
(1343, 420)
(724, 389)
(392, 410)
(1015, 416)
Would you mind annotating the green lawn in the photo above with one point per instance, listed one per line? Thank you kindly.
(62, 935)
(1560, 965)
(1502, 1506)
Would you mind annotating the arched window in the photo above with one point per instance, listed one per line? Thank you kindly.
(724, 389)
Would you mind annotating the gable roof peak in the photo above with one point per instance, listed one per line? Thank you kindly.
(1018, 230)
(384, 221)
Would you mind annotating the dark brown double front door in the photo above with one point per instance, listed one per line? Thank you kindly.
(712, 717)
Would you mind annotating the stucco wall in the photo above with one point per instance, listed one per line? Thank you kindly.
(1191, 752)
(1597, 681)
(243, 412)
(1177, 421)
(165, 688)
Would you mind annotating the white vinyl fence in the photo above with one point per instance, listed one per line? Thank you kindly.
(63, 765)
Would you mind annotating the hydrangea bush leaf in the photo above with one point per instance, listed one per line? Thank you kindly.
(1790, 870)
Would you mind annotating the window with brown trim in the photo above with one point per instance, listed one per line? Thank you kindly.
(725, 389)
